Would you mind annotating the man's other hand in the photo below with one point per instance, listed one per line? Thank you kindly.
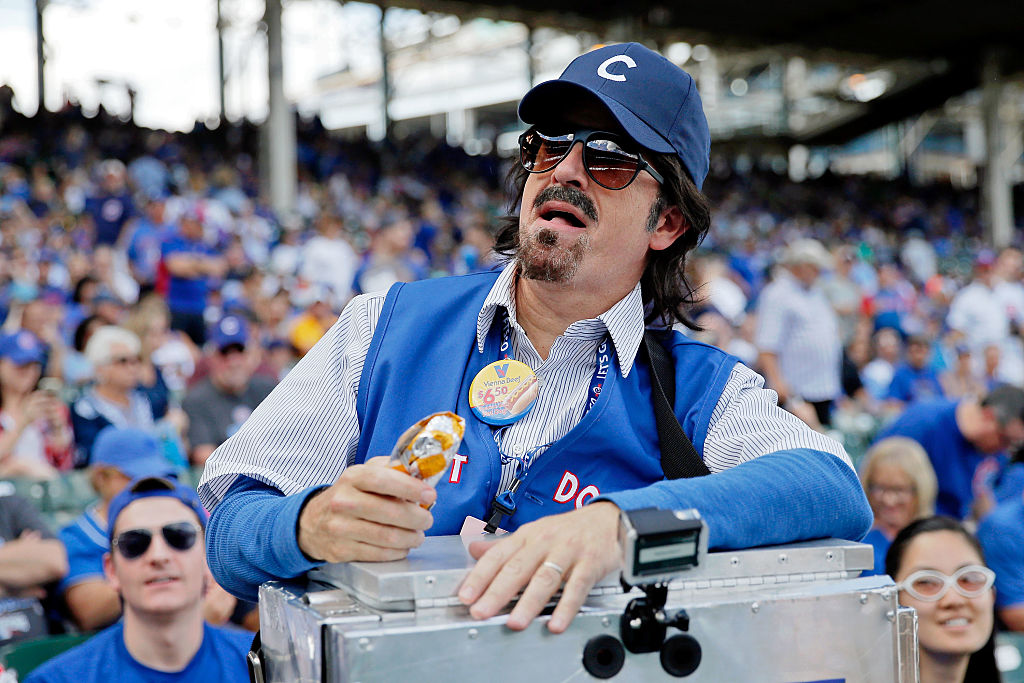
(583, 543)
(371, 513)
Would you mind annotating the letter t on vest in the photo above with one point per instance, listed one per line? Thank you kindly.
(567, 488)
(457, 462)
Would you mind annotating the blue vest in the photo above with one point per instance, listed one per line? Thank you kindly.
(426, 340)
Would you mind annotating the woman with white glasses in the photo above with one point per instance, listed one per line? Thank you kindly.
(941, 573)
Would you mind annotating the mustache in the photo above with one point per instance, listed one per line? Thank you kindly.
(570, 195)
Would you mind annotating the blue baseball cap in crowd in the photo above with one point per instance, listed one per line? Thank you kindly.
(231, 329)
(22, 348)
(654, 101)
(134, 452)
(152, 487)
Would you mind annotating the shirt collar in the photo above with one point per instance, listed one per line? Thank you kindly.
(624, 321)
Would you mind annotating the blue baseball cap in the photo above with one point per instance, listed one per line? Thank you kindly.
(231, 329)
(151, 487)
(134, 452)
(654, 101)
(22, 348)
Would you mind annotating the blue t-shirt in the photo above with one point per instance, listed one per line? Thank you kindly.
(1002, 537)
(104, 658)
(110, 213)
(86, 541)
(910, 384)
(881, 544)
(186, 294)
(144, 248)
(933, 425)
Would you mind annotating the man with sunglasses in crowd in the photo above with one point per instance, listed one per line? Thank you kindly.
(156, 563)
(596, 253)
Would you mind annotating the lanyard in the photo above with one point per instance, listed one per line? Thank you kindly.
(504, 503)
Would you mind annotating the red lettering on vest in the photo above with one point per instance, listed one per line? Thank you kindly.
(586, 494)
(567, 488)
(457, 462)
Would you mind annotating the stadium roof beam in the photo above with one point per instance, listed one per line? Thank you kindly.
(971, 46)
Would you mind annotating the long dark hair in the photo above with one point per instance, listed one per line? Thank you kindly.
(981, 667)
(664, 285)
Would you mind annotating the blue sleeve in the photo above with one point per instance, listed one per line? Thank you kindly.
(899, 387)
(780, 497)
(251, 537)
(85, 560)
(1003, 543)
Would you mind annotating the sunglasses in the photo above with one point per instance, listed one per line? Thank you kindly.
(929, 585)
(135, 542)
(606, 156)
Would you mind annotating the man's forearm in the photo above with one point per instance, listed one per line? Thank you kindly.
(769, 363)
(32, 563)
(776, 498)
(251, 538)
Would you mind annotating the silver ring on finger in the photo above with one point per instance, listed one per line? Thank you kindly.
(556, 567)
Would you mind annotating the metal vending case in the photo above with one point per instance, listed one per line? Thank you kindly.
(785, 614)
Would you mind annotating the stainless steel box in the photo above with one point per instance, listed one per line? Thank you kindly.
(787, 614)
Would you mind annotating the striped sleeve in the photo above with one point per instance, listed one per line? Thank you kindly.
(747, 423)
(306, 431)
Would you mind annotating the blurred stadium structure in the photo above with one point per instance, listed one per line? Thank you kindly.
(930, 90)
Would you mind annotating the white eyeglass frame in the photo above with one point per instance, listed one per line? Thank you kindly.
(948, 582)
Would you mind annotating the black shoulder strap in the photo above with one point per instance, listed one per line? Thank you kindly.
(679, 459)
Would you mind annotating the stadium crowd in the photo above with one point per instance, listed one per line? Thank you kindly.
(150, 300)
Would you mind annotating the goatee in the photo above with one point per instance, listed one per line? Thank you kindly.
(541, 257)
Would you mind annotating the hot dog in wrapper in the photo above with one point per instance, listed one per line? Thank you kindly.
(426, 449)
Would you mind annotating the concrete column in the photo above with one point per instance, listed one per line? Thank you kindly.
(280, 154)
(40, 57)
(220, 64)
(996, 190)
(385, 79)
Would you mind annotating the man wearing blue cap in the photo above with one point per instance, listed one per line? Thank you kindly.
(119, 456)
(597, 253)
(219, 404)
(155, 562)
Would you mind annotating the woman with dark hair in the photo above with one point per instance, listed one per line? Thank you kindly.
(940, 572)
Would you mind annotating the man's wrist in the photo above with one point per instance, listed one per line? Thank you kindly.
(298, 523)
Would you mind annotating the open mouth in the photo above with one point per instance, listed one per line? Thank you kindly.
(161, 580)
(560, 216)
(959, 622)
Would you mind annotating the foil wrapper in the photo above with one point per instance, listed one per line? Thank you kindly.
(426, 449)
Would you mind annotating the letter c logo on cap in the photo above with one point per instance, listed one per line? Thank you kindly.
(602, 70)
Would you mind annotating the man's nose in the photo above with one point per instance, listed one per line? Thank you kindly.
(158, 551)
(570, 170)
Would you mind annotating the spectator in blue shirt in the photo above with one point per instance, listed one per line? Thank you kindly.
(156, 564)
(1002, 536)
(959, 435)
(119, 456)
(112, 206)
(914, 379)
(191, 264)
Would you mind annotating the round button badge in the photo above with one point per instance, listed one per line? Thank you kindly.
(503, 392)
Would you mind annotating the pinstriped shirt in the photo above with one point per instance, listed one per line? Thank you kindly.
(307, 431)
(799, 325)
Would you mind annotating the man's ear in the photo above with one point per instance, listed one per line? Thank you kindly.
(671, 226)
(108, 571)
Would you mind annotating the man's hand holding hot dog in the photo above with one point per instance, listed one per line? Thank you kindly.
(371, 513)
